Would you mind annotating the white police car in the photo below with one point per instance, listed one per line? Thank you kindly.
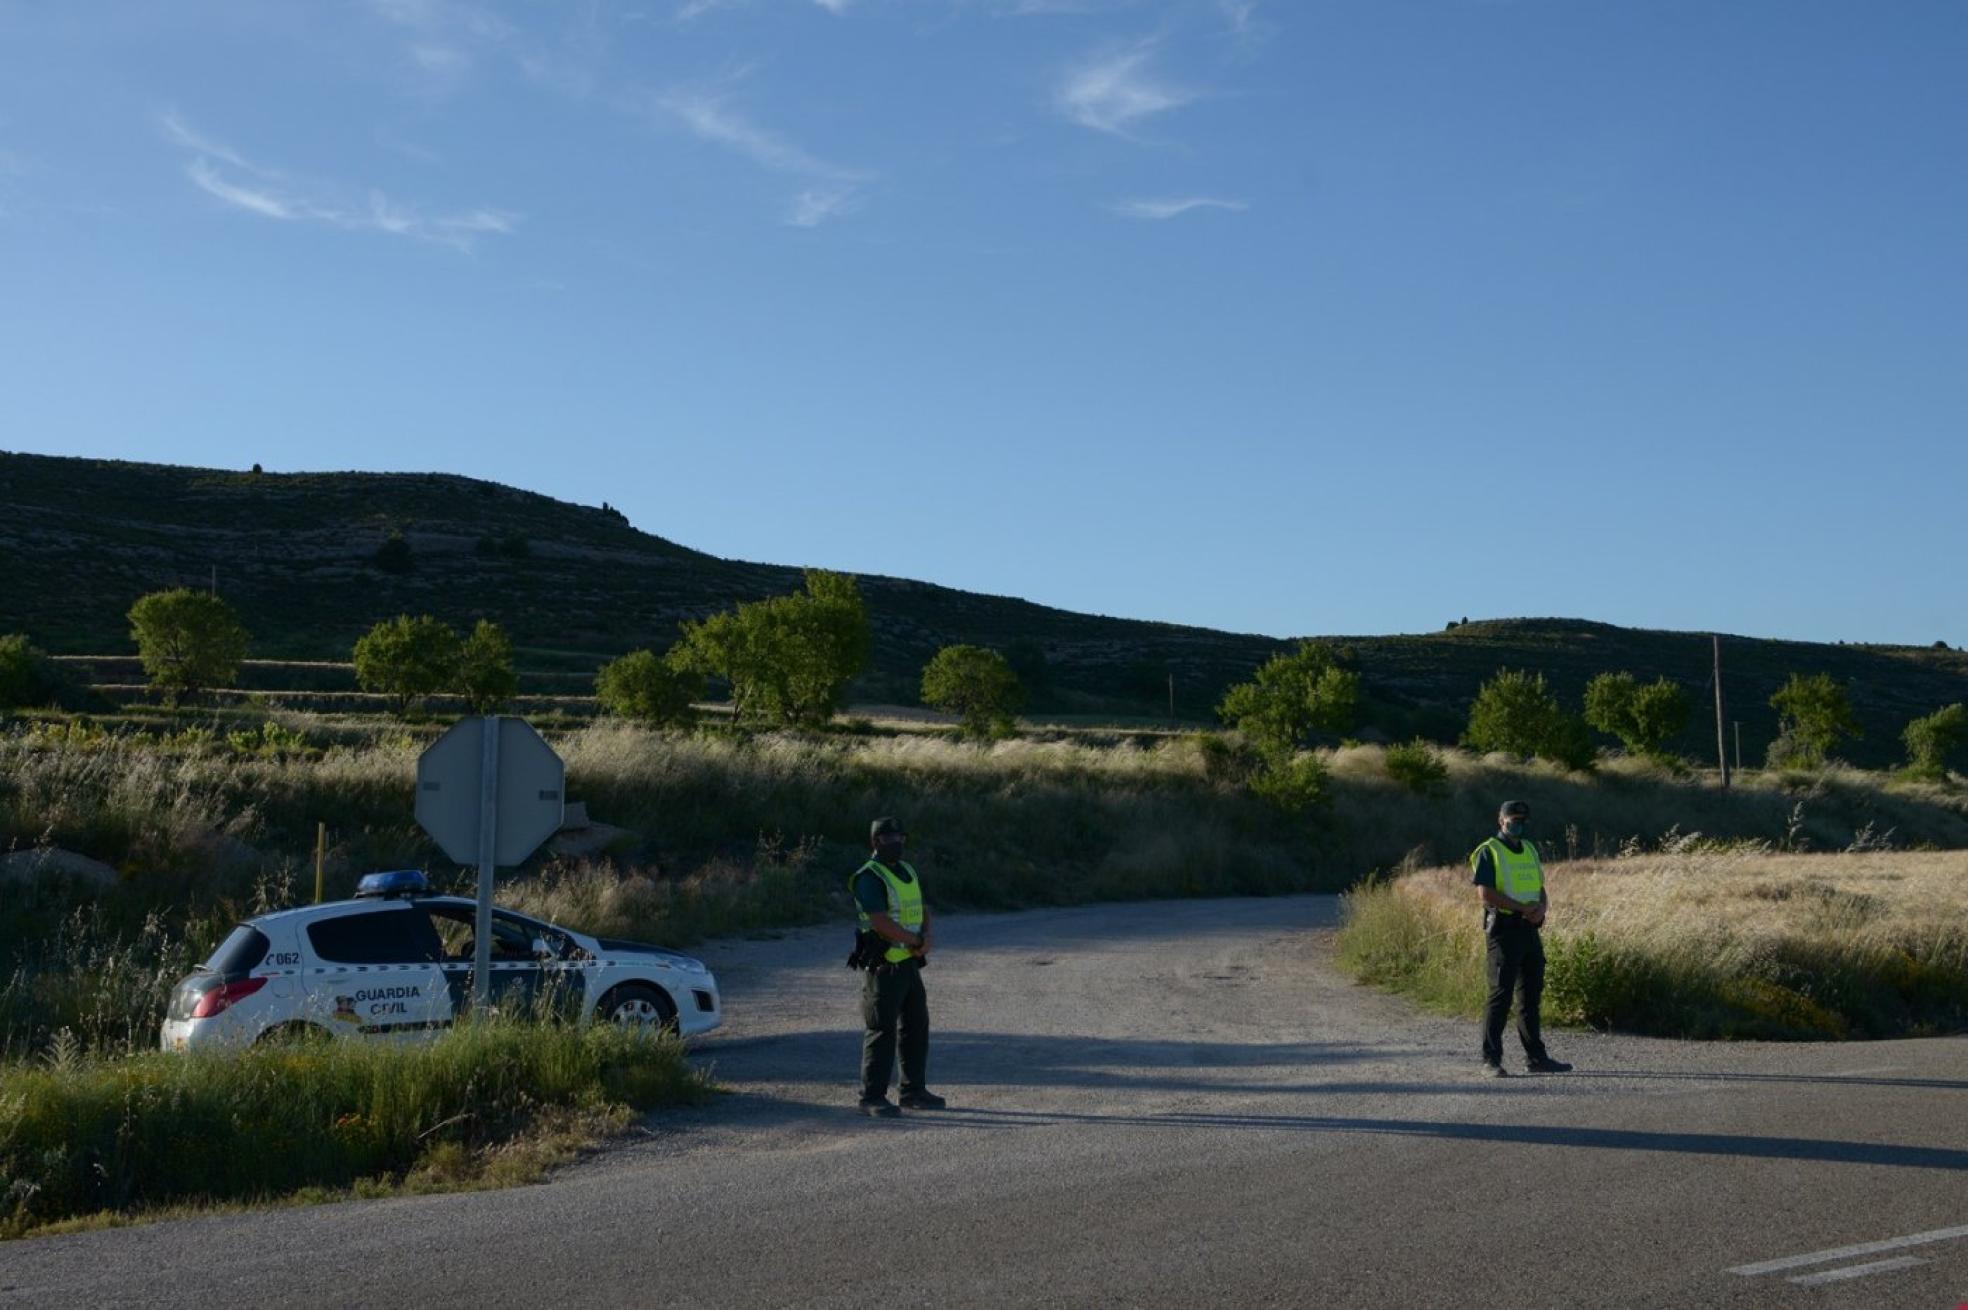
(395, 963)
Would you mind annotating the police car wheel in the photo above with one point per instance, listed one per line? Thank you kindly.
(637, 1006)
(292, 1034)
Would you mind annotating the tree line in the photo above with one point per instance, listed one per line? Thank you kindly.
(1297, 697)
(787, 662)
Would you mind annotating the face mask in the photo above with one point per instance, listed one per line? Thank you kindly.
(1514, 827)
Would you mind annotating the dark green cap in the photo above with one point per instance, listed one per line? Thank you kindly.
(887, 823)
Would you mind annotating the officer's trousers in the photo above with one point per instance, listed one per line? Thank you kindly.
(892, 999)
(1516, 960)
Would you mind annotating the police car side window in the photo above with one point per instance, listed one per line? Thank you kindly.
(241, 953)
(385, 937)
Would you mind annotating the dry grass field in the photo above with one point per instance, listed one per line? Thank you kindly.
(1701, 939)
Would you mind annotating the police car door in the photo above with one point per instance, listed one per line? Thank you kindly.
(375, 973)
(519, 972)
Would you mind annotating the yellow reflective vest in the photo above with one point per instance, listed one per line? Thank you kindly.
(905, 903)
(1520, 874)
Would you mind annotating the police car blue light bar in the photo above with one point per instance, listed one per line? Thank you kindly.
(398, 882)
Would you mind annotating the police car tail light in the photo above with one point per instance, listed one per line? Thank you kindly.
(225, 995)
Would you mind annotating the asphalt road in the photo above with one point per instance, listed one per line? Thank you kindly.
(1159, 1104)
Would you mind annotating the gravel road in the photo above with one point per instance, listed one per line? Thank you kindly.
(1155, 1104)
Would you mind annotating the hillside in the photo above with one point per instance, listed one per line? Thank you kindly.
(296, 553)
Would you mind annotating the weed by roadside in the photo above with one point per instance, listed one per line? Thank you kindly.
(486, 1104)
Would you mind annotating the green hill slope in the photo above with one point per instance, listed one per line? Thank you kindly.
(296, 553)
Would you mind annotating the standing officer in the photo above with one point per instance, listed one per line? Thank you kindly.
(1510, 878)
(894, 943)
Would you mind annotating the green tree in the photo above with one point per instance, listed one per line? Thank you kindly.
(1516, 712)
(1934, 741)
(649, 690)
(407, 659)
(976, 685)
(1644, 717)
(486, 678)
(788, 659)
(1814, 715)
(394, 555)
(27, 676)
(188, 640)
(1292, 697)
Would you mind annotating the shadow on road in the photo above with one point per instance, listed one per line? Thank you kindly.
(1611, 1139)
(1024, 1059)
(1827, 1079)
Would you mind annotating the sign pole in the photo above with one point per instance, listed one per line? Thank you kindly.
(488, 845)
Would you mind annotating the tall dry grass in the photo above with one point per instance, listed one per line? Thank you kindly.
(733, 833)
(1698, 940)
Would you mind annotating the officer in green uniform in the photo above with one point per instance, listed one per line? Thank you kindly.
(1510, 878)
(896, 936)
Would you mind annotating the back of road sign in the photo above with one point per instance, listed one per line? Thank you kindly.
(450, 783)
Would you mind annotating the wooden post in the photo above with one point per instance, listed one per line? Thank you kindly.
(1721, 750)
(1171, 698)
(1739, 745)
(320, 857)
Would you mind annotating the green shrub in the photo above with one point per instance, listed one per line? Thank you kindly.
(394, 555)
(978, 686)
(80, 1136)
(1815, 714)
(1293, 697)
(407, 659)
(648, 690)
(27, 677)
(1294, 785)
(188, 640)
(485, 676)
(1644, 718)
(1936, 740)
(788, 659)
(1417, 766)
(269, 740)
(1516, 713)
(1228, 760)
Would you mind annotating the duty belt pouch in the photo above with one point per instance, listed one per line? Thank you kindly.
(869, 951)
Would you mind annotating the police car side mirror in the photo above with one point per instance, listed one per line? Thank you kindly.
(543, 949)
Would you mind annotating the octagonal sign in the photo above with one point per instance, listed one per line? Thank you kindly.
(530, 782)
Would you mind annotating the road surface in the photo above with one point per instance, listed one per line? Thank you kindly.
(1155, 1104)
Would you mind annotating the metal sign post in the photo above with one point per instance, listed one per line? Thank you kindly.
(488, 858)
(489, 791)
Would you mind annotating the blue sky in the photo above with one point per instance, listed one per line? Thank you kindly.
(1269, 315)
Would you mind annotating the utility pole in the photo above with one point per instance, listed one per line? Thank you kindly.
(215, 579)
(1171, 698)
(1721, 750)
(1739, 744)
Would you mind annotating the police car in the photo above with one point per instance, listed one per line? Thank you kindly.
(395, 964)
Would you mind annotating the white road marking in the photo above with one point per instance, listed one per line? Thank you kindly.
(1856, 1271)
(1848, 1252)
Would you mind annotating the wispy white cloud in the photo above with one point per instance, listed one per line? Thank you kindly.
(816, 205)
(690, 9)
(711, 118)
(272, 193)
(1238, 13)
(1112, 92)
(256, 200)
(833, 6)
(178, 132)
(1174, 208)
